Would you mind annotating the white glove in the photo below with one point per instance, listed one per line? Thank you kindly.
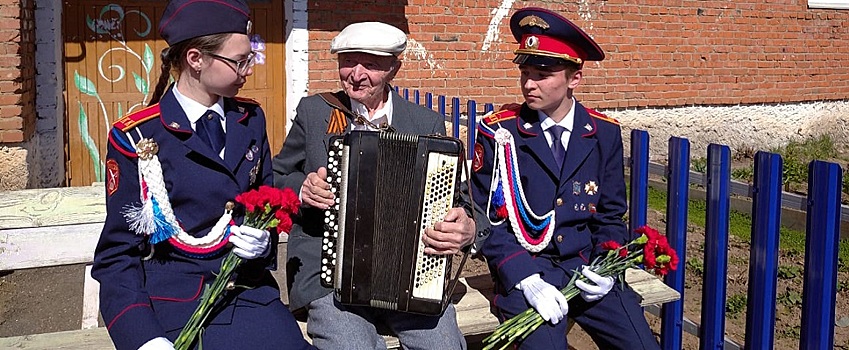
(248, 242)
(545, 298)
(159, 343)
(592, 293)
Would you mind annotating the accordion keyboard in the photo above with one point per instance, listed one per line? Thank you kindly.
(430, 270)
(331, 245)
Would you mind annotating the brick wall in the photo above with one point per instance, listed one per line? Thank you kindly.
(659, 53)
(17, 70)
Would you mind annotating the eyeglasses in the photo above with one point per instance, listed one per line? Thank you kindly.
(242, 65)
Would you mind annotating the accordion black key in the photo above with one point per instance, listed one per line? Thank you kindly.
(389, 187)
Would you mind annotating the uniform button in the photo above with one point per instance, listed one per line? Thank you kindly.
(559, 201)
(559, 238)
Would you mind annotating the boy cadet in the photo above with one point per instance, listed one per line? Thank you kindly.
(549, 173)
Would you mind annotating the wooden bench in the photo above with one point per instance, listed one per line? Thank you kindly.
(71, 220)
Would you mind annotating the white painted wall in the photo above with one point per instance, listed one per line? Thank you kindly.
(47, 158)
(297, 56)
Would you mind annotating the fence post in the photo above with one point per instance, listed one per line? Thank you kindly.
(416, 97)
(712, 329)
(763, 258)
(455, 116)
(488, 108)
(639, 179)
(822, 237)
(677, 202)
(441, 102)
(429, 101)
(406, 94)
(471, 126)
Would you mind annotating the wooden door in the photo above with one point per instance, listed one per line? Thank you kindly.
(112, 65)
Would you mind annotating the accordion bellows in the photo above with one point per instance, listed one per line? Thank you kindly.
(389, 188)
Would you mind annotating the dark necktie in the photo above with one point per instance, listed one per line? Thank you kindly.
(210, 130)
(557, 149)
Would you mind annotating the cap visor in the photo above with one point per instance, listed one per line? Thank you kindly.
(371, 52)
(542, 61)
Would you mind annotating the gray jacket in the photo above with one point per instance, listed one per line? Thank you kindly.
(303, 152)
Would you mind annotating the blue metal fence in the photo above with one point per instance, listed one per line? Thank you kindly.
(822, 235)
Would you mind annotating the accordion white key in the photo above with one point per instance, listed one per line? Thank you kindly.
(389, 188)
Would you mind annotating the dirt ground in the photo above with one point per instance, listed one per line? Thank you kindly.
(49, 300)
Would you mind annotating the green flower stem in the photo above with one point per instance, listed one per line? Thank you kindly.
(208, 300)
(522, 325)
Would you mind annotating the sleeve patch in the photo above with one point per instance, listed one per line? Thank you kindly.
(477, 163)
(113, 177)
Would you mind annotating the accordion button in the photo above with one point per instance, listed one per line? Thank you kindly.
(559, 201)
(559, 238)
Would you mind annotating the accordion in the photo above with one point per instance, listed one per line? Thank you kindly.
(389, 188)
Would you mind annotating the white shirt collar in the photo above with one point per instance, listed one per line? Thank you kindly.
(194, 109)
(360, 109)
(567, 122)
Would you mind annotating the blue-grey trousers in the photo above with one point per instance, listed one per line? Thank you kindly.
(332, 326)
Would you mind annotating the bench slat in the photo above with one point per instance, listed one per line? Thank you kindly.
(24, 248)
(52, 206)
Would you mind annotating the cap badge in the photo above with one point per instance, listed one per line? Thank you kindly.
(533, 21)
(532, 43)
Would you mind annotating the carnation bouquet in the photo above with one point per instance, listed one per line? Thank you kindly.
(650, 249)
(265, 208)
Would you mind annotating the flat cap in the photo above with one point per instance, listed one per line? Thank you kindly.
(546, 38)
(374, 38)
(187, 19)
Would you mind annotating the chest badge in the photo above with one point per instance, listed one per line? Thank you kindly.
(576, 188)
(591, 188)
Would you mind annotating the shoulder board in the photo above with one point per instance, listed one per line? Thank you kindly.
(599, 115)
(134, 119)
(507, 112)
(246, 100)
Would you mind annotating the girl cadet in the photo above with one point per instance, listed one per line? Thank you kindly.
(171, 169)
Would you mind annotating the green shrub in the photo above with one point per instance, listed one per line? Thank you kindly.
(787, 272)
(735, 304)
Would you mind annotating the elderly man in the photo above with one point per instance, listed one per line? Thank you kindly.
(368, 61)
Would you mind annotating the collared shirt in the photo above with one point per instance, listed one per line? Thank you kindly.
(567, 123)
(195, 110)
(360, 109)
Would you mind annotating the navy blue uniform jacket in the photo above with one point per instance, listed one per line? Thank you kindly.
(142, 299)
(587, 195)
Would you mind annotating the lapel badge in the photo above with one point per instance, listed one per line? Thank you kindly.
(254, 172)
(577, 208)
(591, 188)
(254, 149)
(583, 207)
(591, 208)
(576, 188)
(588, 127)
(174, 125)
(250, 155)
